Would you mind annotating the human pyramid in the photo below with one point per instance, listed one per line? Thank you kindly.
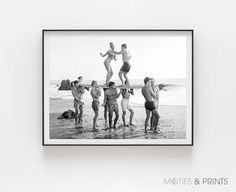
(150, 92)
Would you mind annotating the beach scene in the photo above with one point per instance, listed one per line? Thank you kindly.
(172, 114)
(144, 74)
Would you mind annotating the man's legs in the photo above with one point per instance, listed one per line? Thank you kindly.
(116, 118)
(110, 118)
(105, 113)
(156, 119)
(126, 78)
(131, 116)
(151, 121)
(80, 113)
(123, 117)
(147, 119)
(95, 119)
(76, 115)
(120, 76)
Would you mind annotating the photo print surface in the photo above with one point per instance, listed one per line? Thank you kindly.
(117, 87)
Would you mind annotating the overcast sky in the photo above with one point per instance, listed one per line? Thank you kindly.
(72, 55)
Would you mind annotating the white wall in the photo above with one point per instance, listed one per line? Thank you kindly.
(27, 166)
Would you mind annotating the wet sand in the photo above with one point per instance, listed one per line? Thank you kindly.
(172, 123)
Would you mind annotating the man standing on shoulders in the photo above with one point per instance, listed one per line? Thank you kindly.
(95, 93)
(111, 96)
(126, 63)
(148, 94)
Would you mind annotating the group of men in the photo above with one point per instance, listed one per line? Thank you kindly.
(150, 92)
(110, 103)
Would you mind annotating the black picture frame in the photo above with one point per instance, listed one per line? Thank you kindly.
(110, 30)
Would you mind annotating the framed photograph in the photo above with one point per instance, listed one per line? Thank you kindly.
(117, 87)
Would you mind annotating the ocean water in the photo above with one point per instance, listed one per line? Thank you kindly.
(175, 93)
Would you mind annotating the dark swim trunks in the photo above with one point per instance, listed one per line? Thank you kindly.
(113, 107)
(125, 67)
(150, 105)
(95, 105)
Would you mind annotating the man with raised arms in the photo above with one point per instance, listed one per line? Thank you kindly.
(126, 105)
(78, 91)
(111, 96)
(78, 103)
(126, 63)
(148, 94)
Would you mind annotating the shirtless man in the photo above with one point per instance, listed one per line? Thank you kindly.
(155, 99)
(111, 96)
(78, 103)
(78, 92)
(110, 56)
(95, 93)
(149, 104)
(125, 104)
(126, 63)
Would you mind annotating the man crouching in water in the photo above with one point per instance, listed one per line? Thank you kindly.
(111, 96)
(148, 94)
(95, 93)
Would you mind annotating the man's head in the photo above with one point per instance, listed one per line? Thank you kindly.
(94, 83)
(112, 46)
(123, 46)
(147, 80)
(153, 82)
(76, 83)
(80, 79)
(111, 84)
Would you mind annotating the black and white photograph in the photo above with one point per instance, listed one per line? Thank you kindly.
(117, 87)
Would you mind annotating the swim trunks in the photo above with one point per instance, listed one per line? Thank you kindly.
(125, 104)
(125, 67)
(95, 105)
(113, 107)
(77, 104)
(149, 105)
